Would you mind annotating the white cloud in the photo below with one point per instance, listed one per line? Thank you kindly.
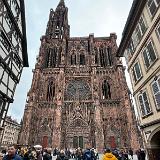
(100, 17)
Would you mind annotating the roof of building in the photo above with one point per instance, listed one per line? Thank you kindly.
(133, 17)
(24, 41)
(10, 120)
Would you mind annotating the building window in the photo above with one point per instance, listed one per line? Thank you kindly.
(106, 91)
(152, 6)
(144, 103)
(142, 25)
(50, 91)
(156, 92)
(139, 31)
(131, 47)
(51, 57)
(149, 54)
(73, 59)
(137, 72)
(82, 59)
(4, 41)
(1, 105)
(158, 31)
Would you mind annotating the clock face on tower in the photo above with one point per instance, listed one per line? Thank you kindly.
(77, 90)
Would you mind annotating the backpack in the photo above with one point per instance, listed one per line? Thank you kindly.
(88, 155)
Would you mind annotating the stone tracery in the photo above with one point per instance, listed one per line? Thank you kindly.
(82, 101)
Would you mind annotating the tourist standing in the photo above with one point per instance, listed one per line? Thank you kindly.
(12, 154)
(108, 155)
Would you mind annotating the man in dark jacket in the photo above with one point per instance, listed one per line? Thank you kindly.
(142, 154)
(12, 154)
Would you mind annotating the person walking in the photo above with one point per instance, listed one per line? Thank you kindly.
(130, 152)
(87, 155)
(108, 155)
(47, 154)
(142, 154)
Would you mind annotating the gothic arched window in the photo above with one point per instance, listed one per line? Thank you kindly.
(82, 59)
(102, 60)
(51, 57)
(106, 92)
(73, 59)
(48, 58)
(50, 91)
(109, 56)
(105, 56)
(96, 55)
(59, 55)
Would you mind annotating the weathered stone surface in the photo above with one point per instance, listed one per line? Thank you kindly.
(79, 93)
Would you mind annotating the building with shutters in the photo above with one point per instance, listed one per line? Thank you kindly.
(13, 51)
(10, 133)
(74, 98)
(140, 45)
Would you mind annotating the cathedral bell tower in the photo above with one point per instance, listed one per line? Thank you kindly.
(58, 22)
(79, 94)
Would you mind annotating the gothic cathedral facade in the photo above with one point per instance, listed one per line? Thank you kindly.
(79, 93)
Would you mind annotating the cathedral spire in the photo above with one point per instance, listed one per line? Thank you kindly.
(61, 4)
(58, 22)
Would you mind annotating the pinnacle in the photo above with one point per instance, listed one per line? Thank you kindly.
(61, 2)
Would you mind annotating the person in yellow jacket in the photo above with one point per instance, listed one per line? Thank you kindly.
(108, 155)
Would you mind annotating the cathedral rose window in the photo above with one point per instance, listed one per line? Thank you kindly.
(77, 90)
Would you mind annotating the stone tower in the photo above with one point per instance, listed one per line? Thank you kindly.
(79, 93)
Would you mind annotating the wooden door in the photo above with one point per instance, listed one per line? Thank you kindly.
(45, 142)
(81, 142)
(112, 142)
(75, 142)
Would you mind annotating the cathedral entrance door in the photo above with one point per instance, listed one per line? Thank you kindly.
(78, 141)
(112, 142)
(45, 142)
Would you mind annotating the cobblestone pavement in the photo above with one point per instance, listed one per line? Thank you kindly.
(100, 157)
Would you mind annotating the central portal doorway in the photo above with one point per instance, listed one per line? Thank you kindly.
(78, 142)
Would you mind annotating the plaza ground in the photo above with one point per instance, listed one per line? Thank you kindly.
(100, 157)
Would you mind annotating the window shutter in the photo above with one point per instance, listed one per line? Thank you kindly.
(137, 69)
(151, 52)
(156, 91)
(158, 32)
(142, 25)
(152, 6)
(157, 96)
(146, 60)
(134, 75)
(147, 108)
(141, 104)
(155, 87)
(138, 33)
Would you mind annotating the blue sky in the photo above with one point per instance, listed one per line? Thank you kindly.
(100, 17)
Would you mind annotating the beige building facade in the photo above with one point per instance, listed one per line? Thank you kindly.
(10, 133)
(140, 45)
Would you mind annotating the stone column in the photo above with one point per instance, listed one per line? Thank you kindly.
(99, 130)
(57, 128)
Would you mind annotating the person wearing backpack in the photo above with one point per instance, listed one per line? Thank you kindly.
(108, 155)
(87, 155)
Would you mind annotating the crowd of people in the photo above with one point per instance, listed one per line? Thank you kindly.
(37, 153)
